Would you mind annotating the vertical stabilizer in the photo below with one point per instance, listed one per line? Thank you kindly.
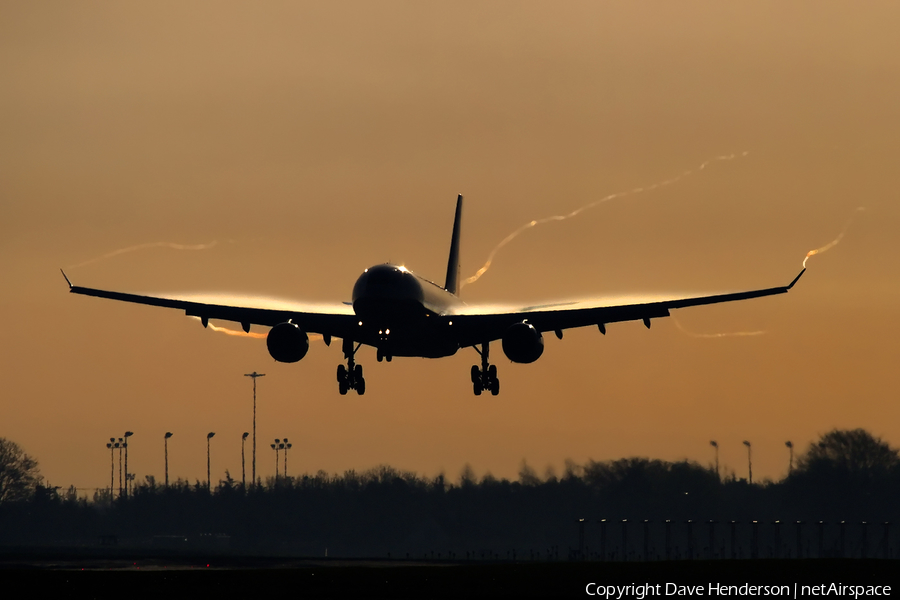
(452, 281)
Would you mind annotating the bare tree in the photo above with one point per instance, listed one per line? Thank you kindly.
(527, 475)
(19, 474)
(854, 452)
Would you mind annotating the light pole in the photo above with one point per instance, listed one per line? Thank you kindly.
(275, 448)
(208, 437)
(602, 539)
(715, 445)
(287, 447)
(128, 434)
(712, 538)
(120, 444)
(254, 375)
(166, 445)
(243, 470)
(749, 462)
(112, 467)
(646, 523)
(790, 447)
(580, 538)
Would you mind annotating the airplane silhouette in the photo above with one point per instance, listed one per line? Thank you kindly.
(402, 314)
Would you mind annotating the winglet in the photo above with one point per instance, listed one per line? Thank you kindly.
(791, 284)
(66, 278)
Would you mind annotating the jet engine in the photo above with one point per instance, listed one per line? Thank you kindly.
(287, 343)
(522, 343)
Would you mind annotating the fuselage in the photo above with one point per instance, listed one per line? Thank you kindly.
(403, 314)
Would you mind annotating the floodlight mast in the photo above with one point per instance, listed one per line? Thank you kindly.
(112, 468)
(243, 470)
(790, 447)
(128, 434)
(120, 445)
(287, 446)
(166, 448)
(254, 375)
(749, 462)
(208, 437)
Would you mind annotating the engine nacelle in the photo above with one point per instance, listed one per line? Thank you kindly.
(287, 343)
(522, 343)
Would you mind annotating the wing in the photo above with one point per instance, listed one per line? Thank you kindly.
(478, 325)
(329, 320)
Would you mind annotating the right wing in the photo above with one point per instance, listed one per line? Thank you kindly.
(483, 324)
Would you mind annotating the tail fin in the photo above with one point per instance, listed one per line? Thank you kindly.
(452, 281)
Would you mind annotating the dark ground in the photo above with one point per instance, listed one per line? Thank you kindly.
(96, 573)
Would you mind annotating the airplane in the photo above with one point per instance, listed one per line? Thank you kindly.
(402, 314)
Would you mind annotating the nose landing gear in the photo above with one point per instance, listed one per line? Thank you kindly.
(485, 378)
(382, 351)
(351, 376)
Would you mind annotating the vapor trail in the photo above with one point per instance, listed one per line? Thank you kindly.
(715, 335)
(142, 247)
(252, 334)
(577, 211)
(238, 333)
(836, 240)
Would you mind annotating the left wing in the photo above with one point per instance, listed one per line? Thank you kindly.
(479, 325)
(329, 320)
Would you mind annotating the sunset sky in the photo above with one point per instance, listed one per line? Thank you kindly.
(300, 142)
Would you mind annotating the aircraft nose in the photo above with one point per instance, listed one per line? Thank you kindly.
(387, 282)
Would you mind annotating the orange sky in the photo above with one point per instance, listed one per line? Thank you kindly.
(312, 140)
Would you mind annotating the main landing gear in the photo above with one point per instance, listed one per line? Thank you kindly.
(485, 378)
(351, 376)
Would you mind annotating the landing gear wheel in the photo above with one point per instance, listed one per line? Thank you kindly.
(350, 377)
(485, 377)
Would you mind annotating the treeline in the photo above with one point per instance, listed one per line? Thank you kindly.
(846, 476)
